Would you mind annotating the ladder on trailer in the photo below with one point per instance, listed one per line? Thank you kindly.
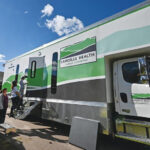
(26, 111)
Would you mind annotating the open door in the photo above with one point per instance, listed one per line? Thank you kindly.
(35, 73)
(133, 96)
(126, 76)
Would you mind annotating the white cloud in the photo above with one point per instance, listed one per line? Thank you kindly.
(62, 25)
(2, 58)
(26, 12)
(47, 10)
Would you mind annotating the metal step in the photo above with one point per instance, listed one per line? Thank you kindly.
(135, 128)
(22, 114)
(135, 122)
(133, 138)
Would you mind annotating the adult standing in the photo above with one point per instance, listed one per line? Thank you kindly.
(15, 97)
(3, 105)
(1, 108)
(22, 88)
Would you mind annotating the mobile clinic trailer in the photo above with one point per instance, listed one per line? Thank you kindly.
(99, 73)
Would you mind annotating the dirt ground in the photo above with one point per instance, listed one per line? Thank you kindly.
(35, 134)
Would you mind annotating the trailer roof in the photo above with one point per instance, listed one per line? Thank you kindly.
(90, 27)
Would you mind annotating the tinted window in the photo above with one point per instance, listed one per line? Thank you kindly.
(33, 69)
(131, 72)
(54, 73)
(17, 72)
(26, 72)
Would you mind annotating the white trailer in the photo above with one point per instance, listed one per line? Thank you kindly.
(99, 73)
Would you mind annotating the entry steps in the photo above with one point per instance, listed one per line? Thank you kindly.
(133, 138)
(8, 128)
(22, 114)
(134, 130)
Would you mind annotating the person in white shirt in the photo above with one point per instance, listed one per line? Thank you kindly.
(22, 88)
(15, 97)
(22, 85)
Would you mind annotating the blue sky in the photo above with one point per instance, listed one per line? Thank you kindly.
(27, 24)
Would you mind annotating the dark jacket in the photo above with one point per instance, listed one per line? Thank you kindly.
(3, 102)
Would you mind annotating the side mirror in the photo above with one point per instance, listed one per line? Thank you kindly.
(144, 69)
(142, 66)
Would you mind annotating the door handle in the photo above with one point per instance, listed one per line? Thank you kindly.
(124, 97)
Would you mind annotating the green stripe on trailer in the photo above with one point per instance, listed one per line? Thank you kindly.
(82, 71)
(94, 69)
(70, 73)
(8, 83)
(141, 96)
(38, 80)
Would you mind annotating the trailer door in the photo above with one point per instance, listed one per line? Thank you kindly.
(35, 73)
(133, 97)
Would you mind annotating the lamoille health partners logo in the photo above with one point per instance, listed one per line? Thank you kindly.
(79, 53)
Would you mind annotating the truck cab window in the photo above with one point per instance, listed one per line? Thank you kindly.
(54, 73)
(33, 69)
(131, 72)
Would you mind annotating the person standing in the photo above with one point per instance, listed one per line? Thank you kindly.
(1, 108)
(3, 105)
(22, 88)
(15, 97)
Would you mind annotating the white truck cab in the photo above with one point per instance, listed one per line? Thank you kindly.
(132, 90)
(132, 98)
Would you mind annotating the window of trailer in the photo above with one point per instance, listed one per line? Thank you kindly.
(54, 73)
(17, 72)
(33, 69)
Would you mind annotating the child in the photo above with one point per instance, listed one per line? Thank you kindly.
(3, 105)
